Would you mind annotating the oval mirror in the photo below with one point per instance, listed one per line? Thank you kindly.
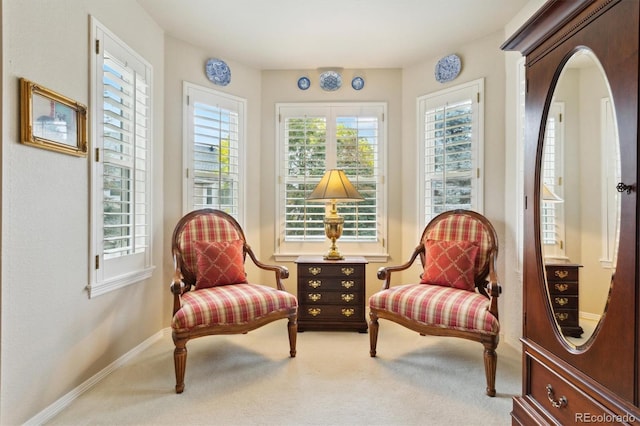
(580, 206)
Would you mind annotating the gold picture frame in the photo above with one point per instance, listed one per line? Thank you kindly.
(52, 121)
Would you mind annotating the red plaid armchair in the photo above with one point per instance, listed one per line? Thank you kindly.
(457, 294)
(211, 293)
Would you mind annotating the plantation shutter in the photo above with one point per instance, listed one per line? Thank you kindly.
(212, 151)
(125, 155)
(448, 159)
(215, 165)
(451, 151)
(305, 148)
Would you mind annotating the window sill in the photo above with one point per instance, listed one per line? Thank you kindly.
(104, 287)
(291, 257)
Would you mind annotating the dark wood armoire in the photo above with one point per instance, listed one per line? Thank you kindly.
(595, 378)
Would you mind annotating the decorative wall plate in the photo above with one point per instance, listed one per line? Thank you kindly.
(217, 71)
(357, 83)
(304, 83)
(330, 81)
(447, 68)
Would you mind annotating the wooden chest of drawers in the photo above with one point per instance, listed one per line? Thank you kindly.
(563, 282)
(331, 294)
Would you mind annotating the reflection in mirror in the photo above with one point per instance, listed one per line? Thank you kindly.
(580, 207)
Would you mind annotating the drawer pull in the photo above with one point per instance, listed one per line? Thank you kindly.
(562, 316)
(347, 284)
(314, 283)
(348, 271)
(561, 287)
(347, 297)
(562, 402)
(315, 270)
(314, 311)
(561, 274)
(347, 312)
(561, 301)
(315, 296)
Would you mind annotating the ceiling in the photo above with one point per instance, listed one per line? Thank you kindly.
(305, 34)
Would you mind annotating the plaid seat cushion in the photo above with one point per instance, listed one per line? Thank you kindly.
(438, 306)
(230, 304)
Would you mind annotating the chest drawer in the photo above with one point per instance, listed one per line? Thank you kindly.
(564, 301)
(331, 270)
(326, 283)
(565, 288)
(331, 297)
(331, 313)
(562, 272)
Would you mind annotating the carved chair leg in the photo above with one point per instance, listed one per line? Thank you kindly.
(292, 326)
(373, 333)
(180, 362)
(490, 365)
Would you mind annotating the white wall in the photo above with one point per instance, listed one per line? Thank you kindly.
(53, 337)
(511, 309)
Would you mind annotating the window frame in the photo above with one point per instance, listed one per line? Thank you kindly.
(475, 91)
(375, 251)
(111, 274)
(191, 92)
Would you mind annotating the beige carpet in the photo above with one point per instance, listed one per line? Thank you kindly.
(250, 380)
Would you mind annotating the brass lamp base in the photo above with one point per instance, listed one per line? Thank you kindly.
(333, 230)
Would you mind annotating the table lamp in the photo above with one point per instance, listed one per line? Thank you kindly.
(334, 187)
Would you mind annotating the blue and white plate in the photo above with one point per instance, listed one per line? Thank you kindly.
(447, 68)
(304, 83)
(330, 81)
(218, 71)
(357, 83)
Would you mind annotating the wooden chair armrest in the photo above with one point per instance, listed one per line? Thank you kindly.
(281, 272)
(384, 273)
(493, 286)
(177, 287)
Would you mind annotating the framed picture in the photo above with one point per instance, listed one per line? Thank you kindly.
(52, 121)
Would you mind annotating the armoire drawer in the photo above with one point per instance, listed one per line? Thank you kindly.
(563, 401)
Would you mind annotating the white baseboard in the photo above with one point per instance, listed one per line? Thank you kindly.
(52, 410)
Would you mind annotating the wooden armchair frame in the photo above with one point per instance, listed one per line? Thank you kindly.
(184, 280)
(486, 283)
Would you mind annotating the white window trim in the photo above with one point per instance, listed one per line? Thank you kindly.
(479, 146)
(187, 152)
(521, 83)
(98, 284)
(372, 251)
(610, 203)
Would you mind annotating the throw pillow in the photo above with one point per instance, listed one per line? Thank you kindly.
(219, 263)
(450, 263)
